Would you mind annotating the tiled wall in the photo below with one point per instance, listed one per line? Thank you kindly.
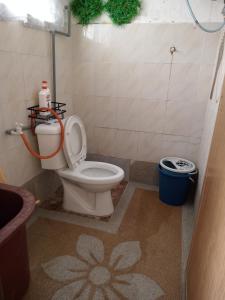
(24, 62)
(136, 101)
(120, 81)
(209, 124)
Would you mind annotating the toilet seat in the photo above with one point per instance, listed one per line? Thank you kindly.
(75, 150)
(75, 141)
(92, 172)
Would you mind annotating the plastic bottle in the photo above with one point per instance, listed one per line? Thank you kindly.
(45, 97)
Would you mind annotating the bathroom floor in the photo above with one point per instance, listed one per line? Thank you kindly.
(141, 260)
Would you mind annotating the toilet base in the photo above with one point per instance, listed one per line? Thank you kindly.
(81, 201)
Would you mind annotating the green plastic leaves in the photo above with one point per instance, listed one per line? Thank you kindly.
(86, 11)
(123, 11)
(120, 11)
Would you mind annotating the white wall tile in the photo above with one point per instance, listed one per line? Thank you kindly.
(15, 37)
(189, 42)
(205, 81)
(68, 100)
(134, 94)
(105, 82)
(154, 81)
(84, 108)
(64, 76)
(128, 81)
(11, 77)
(83, 79)
(25, 61)
(126, 144)
(156, 43)
(91, 139)
(180, 146)
(40, 45)
(128, 43)
(185, 118)
(105, 111)
(20, 166)
(64, 47)
(10, 36)
(183, 83)
(210, 47)
(151, 115)
(35, 69)
(13, 111)
(92, 43)
(127, 114)
(105, 141)
(150, 147)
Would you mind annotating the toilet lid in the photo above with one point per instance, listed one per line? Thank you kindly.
(75, 142)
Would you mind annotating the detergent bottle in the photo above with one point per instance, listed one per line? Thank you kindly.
(45, 97)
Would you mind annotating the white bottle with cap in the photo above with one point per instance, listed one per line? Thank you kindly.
(45, 98)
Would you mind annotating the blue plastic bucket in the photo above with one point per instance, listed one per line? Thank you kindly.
(173, 187)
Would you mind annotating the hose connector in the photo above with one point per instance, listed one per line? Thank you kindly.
(18, 129)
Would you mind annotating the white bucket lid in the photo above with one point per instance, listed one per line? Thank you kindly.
(177, 164)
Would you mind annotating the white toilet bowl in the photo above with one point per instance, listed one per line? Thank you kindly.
(87, 184)
(90, 183)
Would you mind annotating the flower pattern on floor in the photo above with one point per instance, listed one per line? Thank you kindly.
(91, 279)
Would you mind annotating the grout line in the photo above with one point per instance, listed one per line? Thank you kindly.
(153, 132)
(169, 79)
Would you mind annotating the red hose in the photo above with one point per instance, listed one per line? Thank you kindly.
(32, 123)
(28, 145)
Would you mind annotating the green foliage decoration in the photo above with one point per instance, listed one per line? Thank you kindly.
(86, 11)
(122, 11)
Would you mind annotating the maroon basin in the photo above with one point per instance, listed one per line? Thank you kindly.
(16, 206)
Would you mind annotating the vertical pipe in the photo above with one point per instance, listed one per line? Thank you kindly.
(53, 67)
(69, 22)
(53, 34)
(219, 61)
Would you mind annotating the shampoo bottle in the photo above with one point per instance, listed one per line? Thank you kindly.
(45, 98)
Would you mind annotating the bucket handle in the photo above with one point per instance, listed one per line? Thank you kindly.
(193, 173)
(191, 179)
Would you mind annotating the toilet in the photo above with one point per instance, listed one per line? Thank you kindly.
(87, 184)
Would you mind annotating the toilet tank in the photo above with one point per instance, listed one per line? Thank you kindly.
(48, 136)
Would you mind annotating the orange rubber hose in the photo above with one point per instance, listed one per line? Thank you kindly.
(28, 145)
(32, 123)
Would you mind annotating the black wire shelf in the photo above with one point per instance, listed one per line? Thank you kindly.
(35, 114)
